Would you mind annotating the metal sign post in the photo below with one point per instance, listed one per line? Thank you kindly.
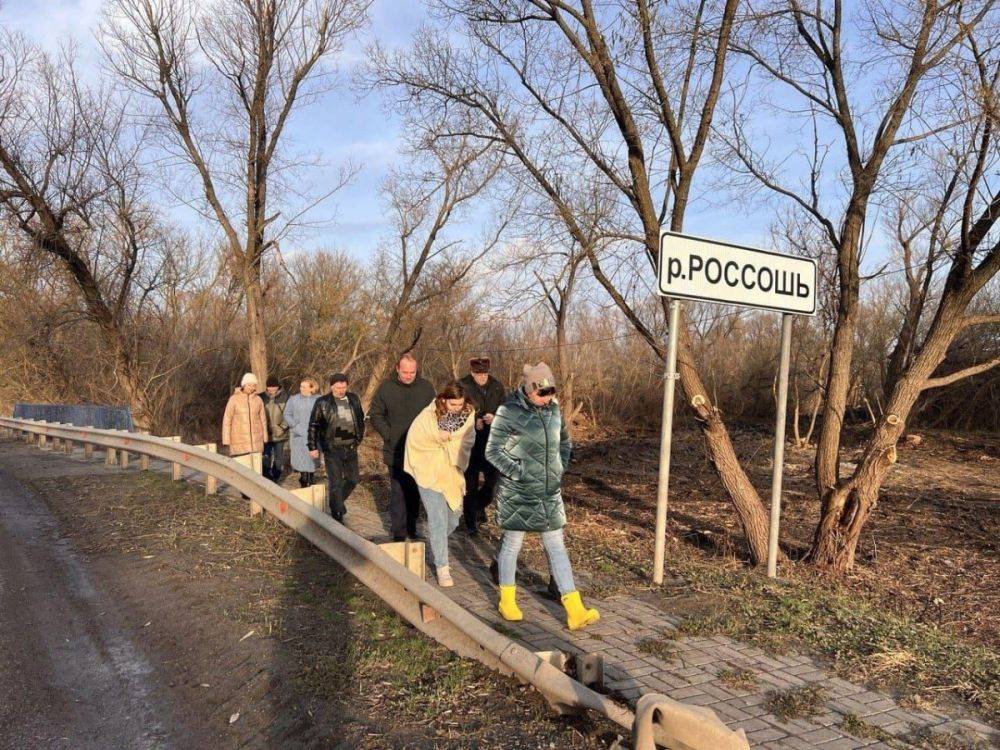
(779, 445)
(666, 431)
(707, 270)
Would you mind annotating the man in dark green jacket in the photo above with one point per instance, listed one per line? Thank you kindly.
(277, 431)
(486, 394)
(396, 404)
(530, 446)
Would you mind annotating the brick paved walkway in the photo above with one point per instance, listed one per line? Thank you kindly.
(692, 672)
(691, 675)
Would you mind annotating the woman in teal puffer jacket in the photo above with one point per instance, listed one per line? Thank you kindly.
(530, 447)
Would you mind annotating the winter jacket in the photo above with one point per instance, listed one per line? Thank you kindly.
(486, 400)
(393, 410)
(244, 425)
(530, 447)
(298, 410)
(323, 421)
(436, 465)
(274, 408)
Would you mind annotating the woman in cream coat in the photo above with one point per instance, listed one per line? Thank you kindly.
(438, 446)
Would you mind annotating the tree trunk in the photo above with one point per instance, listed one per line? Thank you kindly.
(567, 403)
(375, 379)
(838, 381)
(746, 501)
(131, 380)
(255, 318)
(846, 506)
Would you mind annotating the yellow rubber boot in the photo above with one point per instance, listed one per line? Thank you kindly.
(578, 616)
(508, 606)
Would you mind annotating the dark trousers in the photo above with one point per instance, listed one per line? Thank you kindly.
(341, 478)
(404, 503)
(273, 460)
(478, 497)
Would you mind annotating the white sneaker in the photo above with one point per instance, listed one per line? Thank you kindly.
(444, 577)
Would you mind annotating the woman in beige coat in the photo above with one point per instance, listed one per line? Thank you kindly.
(438, 446)
(244, 425)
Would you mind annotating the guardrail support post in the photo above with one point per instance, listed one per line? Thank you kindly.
(557, 659)
(42, 441)
(315, 495)
(410, 555)
(88, 448)
(590, 670)
(111, 457)
(211, 483)
(176, 468)
(255, 462)
(123, 458)
(144, 457)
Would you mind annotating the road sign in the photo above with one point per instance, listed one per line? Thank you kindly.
(712, 271)
(700, 269)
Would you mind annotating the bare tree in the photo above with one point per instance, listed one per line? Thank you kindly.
(71, 186)
(424, 262)
(227, 77)
(816, 54)
(547, 274)
(807, 50)
(627, 92)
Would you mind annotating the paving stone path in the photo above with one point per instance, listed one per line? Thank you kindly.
(691, 671)
(691, 674)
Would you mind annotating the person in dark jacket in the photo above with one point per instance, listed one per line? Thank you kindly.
(337, 427)
(274, 400)
(486, 394)
(530, 446)
(396, 404)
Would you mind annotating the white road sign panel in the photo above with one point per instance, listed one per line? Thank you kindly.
(696, 268)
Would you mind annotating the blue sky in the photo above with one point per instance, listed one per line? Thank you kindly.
(345, 125)
(341, 125)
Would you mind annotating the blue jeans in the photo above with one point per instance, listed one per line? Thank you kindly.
(555, 549)
(441, 521)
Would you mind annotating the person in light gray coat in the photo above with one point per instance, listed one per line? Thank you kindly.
(297, 412)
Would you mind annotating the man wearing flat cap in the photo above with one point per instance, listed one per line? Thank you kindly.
(486, 394)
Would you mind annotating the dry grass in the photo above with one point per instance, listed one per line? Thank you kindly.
(796, 703)
(388, 675)
(739, 678)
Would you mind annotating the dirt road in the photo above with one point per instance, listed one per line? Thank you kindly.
(70, 673)
(135, 613)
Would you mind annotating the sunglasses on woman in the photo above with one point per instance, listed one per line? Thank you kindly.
(546, 391)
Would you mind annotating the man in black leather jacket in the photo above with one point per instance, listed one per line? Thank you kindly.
(337, 426)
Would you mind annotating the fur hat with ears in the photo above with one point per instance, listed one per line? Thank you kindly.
(248, 379)
(538, 376)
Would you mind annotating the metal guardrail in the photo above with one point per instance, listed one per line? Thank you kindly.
(420, 603)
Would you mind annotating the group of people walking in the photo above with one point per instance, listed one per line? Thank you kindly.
(452, 451)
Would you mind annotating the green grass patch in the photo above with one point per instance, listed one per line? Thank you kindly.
(738, 678)
(797, 703)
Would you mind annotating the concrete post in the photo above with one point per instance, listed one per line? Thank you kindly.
(175, 473)
(211, 483)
